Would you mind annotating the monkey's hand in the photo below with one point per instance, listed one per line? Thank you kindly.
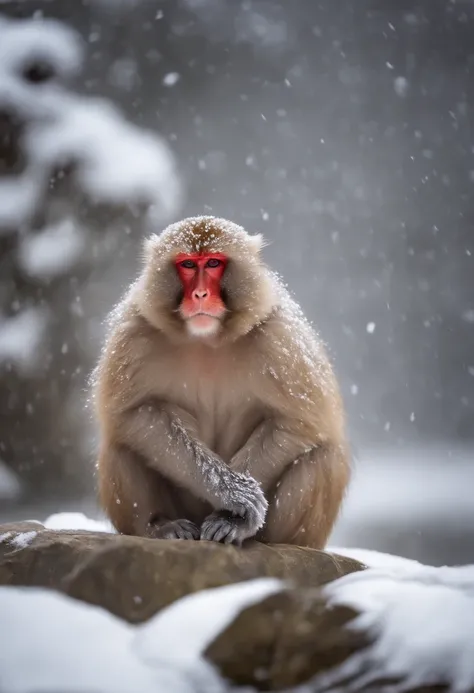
(175, 529)
(224, 527)
(245, 518)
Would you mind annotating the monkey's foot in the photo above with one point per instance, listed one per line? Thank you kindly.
(225, 527)
(175, 529)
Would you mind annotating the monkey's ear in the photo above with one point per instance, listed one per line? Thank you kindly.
(148, 246)
(257, 242)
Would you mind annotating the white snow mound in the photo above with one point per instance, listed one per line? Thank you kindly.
(422, 621)
(76, 520)
(70, 645)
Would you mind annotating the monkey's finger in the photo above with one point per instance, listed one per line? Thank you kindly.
(178, 529)
(193, 534)
(222, 532)
(209, 529)
(187, 529)
(188, 534)
(209, 533)
(169, 534)
(205, 529)
(233, 537)
(185, 534)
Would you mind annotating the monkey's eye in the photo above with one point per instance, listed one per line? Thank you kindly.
(188, 264)
(213, 262)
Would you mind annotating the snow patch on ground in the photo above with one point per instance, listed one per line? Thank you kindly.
(76, 520)
(390, 492)
(20, 540)
(375, 559)
(423, 624)
(415, 501)
(88, 649)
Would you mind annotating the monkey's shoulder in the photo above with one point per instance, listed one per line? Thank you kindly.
(288, 332)
(293, 357)
(131, 344)
(127, 326)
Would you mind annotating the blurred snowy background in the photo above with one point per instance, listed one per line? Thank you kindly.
(340, 130)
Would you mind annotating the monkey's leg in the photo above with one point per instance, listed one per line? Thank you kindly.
(138, 500)
(305, 502)
(173, 529)
(166, 437)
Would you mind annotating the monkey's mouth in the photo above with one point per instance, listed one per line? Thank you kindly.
(203, 319)
(203, 324)
(204, 313)
(199, 314)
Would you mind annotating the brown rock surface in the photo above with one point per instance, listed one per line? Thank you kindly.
(134, 577)
(289, 639)
(284, 641)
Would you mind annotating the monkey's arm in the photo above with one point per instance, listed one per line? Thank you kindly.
(165, 436)
(304, 415)
(271, 447)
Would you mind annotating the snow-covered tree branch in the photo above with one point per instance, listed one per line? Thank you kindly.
(77, 182)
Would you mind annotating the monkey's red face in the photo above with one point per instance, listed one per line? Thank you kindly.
(202, 306)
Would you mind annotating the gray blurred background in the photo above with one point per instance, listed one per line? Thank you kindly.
(343, 131)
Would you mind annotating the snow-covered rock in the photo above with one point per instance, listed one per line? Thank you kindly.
(421, 624)
(294, 620)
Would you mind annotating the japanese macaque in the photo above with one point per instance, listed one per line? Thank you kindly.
(219, 413)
